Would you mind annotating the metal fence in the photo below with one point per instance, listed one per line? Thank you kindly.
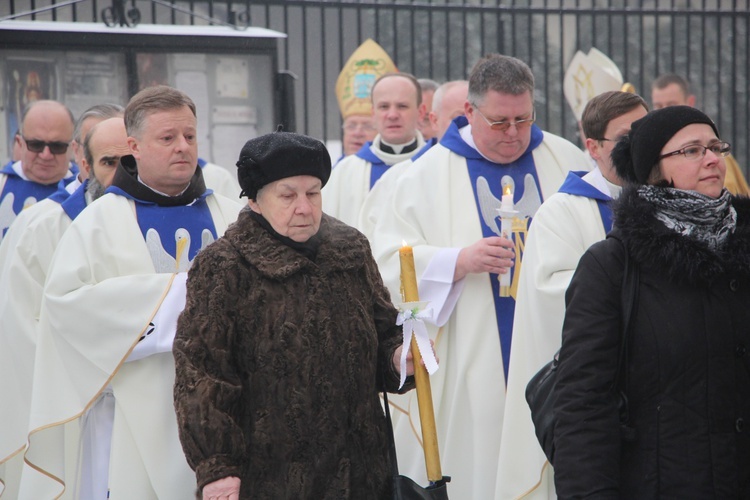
(706, 41)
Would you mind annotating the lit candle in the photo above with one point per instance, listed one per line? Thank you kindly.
(507, 202)
(410, 293)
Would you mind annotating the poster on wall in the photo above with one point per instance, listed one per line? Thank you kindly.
(26, 81)
(152, 70)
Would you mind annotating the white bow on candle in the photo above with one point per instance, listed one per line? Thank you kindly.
(412, 315)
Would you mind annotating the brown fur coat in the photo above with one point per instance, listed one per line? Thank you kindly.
(279, 362)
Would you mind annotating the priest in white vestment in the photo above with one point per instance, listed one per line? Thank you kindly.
(44, 137)
(25, 256)
(563, 229)
(447, 104)
(114, 290)
(395, 100)
(446, 207)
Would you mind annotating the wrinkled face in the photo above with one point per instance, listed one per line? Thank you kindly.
(704, 175)
(394, 110)
(47, 123)
(501, 147)
(293, 206)
(451, 106)
(601, 151)
(671, 95)
(358, 129)
(108, 144)
(166, 150)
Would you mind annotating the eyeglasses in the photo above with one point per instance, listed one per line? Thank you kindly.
(37, 146)
(698, 151)
(503, 126)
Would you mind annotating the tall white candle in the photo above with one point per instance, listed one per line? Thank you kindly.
(506, 212)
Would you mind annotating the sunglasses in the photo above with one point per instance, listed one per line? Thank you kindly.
(37, 146)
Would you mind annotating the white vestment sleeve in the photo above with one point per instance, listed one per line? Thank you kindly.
(437, 287)
(160, 336)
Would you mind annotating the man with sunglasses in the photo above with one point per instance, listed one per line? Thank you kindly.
(45, 134)
(446, 207)
(25, 256)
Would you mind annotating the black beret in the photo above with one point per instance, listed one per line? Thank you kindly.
(278, 155)
(638, 152)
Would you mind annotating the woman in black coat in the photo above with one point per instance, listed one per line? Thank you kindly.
(686, 371)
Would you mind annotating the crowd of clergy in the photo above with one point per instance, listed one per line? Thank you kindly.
(102, 216)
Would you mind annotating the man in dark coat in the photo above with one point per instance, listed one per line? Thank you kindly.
(287, 336)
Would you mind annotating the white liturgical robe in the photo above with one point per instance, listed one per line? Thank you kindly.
(101, 296)
(433, 209)
(564, 227)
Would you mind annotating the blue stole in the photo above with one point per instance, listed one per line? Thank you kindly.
(201, 162)
(486, 175)
(194, 219)
(61, 194)
(76, 202)
(575, 185)
(377, 166)
(428, 144)
(22, 189)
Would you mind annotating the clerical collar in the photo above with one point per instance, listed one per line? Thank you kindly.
(126, 178)
(307, 248)
(397, 149)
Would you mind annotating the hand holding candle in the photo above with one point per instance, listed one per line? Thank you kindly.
(410, 294)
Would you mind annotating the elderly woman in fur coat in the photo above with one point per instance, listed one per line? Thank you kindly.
(287, 336)
(686, 372)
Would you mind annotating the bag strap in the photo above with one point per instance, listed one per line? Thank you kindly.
(629, 299)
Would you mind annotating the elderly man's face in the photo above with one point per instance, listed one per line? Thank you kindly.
(293, 206)
(45, 123)
(358, 130)
(167, 150)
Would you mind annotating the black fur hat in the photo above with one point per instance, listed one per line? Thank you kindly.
(278, 155)
(638, 152)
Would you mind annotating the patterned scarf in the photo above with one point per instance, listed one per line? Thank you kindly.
(694, 215)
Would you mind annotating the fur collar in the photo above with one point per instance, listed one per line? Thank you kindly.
(684, 260)
(341, 248)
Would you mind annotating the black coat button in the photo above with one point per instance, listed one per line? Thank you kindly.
(740, 350)
(739, 424)
(733, 285)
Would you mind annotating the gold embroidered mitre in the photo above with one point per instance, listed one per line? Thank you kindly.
(355, 81)
(589, 75)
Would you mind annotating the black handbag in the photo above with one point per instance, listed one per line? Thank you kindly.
(403, 487)
(540, 391)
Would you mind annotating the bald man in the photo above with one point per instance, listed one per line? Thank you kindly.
(25, 255)
(45, 134)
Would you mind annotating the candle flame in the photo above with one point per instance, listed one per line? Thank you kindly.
(403, 243)
(507, 190)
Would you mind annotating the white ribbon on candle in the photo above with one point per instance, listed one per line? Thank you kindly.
(412, 315)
